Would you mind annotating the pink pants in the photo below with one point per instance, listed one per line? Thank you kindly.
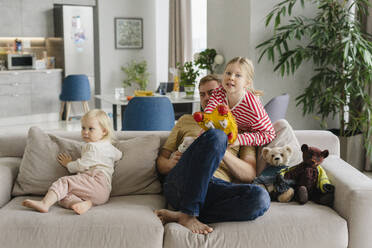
(85, 186)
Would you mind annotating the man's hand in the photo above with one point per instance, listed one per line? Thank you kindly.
(167, 160)
(174, 158)
(64, 159)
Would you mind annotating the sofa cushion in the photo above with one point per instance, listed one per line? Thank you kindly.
(126, 221)
(8, 172)
(39, 167)
(284, 136)
(13, 144)
(135, 173)
(284, 225)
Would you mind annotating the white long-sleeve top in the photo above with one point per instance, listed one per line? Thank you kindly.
(100, 155)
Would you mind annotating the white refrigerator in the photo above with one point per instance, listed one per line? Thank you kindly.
(74, 24)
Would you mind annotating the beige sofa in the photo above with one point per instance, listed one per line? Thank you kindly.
(129, 221)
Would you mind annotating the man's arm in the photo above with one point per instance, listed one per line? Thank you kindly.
(165, 162)
(243, 167)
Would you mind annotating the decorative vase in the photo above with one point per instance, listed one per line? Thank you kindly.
(352, 149)
(189, 89)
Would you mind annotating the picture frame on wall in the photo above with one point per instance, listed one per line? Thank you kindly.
(128, 33)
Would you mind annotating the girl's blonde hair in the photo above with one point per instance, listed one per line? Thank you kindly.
(103, 120)
(247, 69)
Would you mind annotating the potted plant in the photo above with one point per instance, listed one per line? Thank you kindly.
(342, 55)
(208, 59)
(188, 75)
(136, 72)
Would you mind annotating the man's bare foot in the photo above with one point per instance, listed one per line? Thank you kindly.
(188, 221)
(82, 207)
(37, 205)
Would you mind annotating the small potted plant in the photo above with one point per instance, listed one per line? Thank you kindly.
(136, 72)
(208, 59)
(188, 75)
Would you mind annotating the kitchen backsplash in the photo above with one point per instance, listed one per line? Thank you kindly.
(41, 47)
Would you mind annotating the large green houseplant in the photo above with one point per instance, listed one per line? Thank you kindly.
(136, 72)
(333, 41)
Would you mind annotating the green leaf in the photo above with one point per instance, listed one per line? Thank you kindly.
(346, 51)
(277, 20)
(268, 18)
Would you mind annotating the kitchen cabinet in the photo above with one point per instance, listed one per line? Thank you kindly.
(10, 21)
(29, 92)
(26, 18)
(37, 23)
(45, 90)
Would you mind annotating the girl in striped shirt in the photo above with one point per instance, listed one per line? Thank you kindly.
(237, 92)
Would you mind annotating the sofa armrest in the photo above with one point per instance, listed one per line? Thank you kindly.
(8, 171)
(353, 199)
(321, 139)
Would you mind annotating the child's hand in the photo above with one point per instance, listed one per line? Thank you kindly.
(64, 159)
(236, 143)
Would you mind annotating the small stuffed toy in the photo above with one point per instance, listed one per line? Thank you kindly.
(309, 178)
(221, 118)
(187, 141)
(277, 155)
(277, 159)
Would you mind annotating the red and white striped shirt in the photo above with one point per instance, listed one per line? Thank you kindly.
(255, 127)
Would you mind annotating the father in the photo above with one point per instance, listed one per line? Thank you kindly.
(198, 183)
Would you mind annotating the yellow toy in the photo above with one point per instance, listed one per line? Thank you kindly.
(221, 118)
(143, 93)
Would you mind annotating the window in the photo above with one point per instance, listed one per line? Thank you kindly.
(199, 28)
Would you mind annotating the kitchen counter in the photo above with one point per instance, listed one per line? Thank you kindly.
(16, 72)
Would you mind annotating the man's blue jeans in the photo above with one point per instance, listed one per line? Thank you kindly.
(191, 188)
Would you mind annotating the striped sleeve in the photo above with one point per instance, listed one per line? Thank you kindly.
(255, 123)
(218, 97)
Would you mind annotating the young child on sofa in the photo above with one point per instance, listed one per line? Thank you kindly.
(92, 183)
(237, 92)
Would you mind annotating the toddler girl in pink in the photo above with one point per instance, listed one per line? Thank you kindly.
(92, 183)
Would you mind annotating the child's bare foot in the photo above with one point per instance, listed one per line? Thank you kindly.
(37, 205)
(82, 207)
(188, 221)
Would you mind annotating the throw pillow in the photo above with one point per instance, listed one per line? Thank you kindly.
(39, 167)
(284, 136)
(135, 173)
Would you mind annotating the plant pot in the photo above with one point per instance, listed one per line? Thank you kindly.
(352, 150)
(190, 90)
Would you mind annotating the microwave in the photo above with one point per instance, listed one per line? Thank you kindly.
(18, 61)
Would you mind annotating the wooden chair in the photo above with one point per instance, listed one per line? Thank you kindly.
(74, 88)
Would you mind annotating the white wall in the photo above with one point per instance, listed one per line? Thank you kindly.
(155, 40)
(235, 28)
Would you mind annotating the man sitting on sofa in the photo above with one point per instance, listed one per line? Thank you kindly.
(189, 186)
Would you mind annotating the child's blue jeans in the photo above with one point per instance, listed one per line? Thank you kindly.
(191, 188)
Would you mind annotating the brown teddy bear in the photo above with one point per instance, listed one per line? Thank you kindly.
(277, 159)
(309, 178)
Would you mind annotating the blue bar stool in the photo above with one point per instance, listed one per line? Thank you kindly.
(74, 88)
(148, 114)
